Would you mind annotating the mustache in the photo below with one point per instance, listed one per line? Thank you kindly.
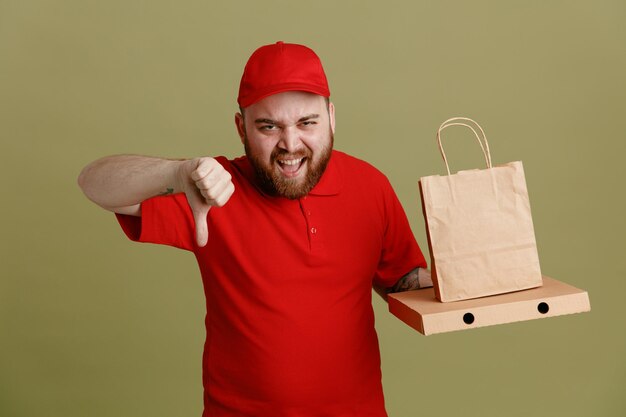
(281, 153)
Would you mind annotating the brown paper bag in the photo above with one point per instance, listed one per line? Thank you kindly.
(479, 227)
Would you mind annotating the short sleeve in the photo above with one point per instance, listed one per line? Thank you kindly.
(165, 220)
(401, 253)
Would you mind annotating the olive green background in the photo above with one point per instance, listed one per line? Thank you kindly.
(93, 325)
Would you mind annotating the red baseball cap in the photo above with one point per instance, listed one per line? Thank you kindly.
(281, 67)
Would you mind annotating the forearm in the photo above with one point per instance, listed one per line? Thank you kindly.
(126, 180)
(415, 279)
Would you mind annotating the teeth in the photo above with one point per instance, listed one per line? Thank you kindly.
(291, 161)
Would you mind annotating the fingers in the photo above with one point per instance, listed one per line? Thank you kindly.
(207, 184)
(206, 167)
(219, 194)
(213, 182)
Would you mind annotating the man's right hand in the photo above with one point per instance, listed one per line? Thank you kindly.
(120, 183)
(206, 184)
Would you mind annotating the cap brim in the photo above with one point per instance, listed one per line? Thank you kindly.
(276, 89)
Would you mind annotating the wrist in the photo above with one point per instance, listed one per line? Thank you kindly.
(180, 175)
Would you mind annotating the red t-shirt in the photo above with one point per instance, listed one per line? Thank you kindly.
(288, 284)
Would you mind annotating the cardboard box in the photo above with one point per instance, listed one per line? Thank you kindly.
(421, 310)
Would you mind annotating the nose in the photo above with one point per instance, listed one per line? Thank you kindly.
(289, 139)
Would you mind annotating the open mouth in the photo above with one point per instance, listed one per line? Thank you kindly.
(291, 167)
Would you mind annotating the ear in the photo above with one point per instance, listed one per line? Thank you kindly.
(240, 124)
(331, 114)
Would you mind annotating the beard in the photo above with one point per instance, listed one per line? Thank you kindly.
(273, 182)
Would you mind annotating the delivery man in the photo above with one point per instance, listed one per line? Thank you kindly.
(289, 238)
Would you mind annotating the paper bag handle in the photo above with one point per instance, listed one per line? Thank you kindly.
(453, 122)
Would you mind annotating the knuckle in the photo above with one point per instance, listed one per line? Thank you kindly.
(220, 199)
(203, 184)
(206, 194)
(209, 163)
(202, 167)
(196, 175)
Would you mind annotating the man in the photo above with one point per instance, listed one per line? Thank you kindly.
(289, 239)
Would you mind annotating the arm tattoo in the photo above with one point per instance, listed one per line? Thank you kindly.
(408, 282)
(167, 192)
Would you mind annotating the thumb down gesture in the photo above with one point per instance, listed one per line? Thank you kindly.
(206, 184)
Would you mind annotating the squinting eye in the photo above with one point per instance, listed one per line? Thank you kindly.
(268, 127)
(309, 123)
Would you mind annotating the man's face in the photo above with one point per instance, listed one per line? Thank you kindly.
(288, 138)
